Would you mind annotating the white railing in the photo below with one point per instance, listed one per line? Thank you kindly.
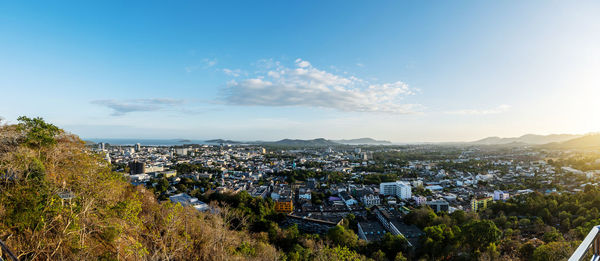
(591, 242)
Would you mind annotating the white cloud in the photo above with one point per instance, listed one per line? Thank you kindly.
(301, 63)
(267, 64)
(500, 109)
(360, 65)
(209, 62)
(234, 72)
(121, 107)
(307, 86)
(204, 64)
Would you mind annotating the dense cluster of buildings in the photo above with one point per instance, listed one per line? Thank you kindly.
(467, 181)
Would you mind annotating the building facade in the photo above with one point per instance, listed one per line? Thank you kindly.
(398, 188)
(480, 203)
(284, 206)
(501, 195)
(370, 200)
(136, 167)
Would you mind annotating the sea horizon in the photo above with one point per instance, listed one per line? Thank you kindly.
(147, 142)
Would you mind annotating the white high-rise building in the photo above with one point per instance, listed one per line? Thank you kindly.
(399, 188)
(387, 188)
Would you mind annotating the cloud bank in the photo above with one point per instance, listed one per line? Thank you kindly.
(307, 86)
(138, 105)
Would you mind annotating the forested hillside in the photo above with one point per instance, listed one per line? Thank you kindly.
(58, 201)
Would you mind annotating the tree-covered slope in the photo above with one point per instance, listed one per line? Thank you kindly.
(59, 201)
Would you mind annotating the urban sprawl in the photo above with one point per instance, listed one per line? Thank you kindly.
(317, 187)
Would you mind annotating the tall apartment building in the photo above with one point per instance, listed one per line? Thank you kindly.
(399, 188)
(136, 167)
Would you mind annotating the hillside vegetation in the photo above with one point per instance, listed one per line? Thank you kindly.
(59, 201)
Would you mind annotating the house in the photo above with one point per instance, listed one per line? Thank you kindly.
(187, 200)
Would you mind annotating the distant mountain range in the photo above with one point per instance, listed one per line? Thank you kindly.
(548, 141)
(364, 141)
(582, 142)
(304, 143)
(531, 139)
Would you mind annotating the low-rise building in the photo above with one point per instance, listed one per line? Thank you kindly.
(501, 195)
(187, 200)
(480, 203)
(370, 200)
(439, 205)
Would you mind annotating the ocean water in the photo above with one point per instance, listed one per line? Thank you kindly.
(149, 142)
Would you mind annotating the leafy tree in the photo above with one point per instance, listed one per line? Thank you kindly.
(339, 253)
(526, 250)
(341, 236)
(421, 217)
(351, 222)
(400, 257)
(440, 240)
(162, 185)
(553, 251)
(379, 256)
(36, 170)
(552, 235)
(38, 132)
(391, 245)
(481, 233)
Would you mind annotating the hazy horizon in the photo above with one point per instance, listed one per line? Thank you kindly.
(405, 72)
(310, 138)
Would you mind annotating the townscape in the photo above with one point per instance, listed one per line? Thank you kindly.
(378, 185)
(300, 130)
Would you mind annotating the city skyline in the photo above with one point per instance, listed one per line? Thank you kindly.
(398, 71)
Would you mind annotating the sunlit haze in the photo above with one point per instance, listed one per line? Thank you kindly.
(256, 70)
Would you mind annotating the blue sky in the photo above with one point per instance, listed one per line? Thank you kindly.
(404, 71)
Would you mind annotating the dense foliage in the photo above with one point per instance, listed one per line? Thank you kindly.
(526, 227)
(58, 201)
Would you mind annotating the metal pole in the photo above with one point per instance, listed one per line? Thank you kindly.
(596, 246)
(8, 252)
